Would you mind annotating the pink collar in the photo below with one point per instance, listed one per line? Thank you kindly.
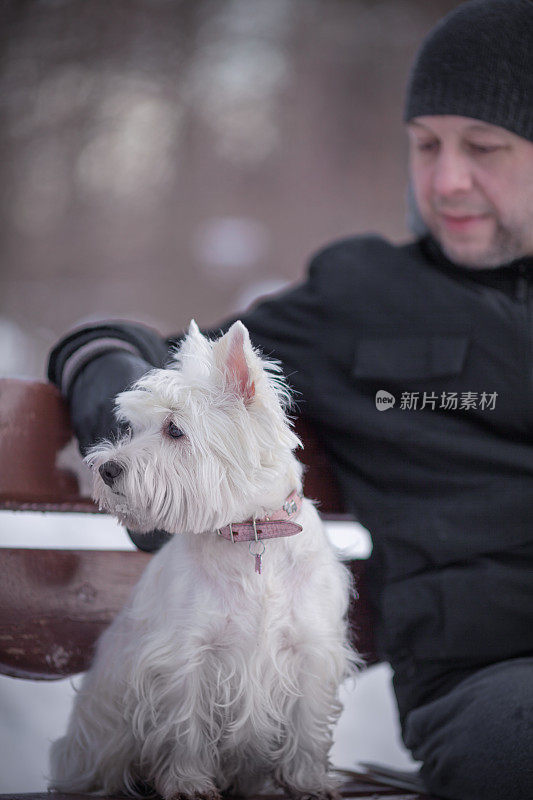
(271, 527)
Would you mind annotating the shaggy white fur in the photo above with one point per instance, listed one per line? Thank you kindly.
(213, 677)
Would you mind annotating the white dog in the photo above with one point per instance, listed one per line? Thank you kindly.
(222, 671)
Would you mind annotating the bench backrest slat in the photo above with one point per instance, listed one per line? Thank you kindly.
(55, 604)
(34, 428)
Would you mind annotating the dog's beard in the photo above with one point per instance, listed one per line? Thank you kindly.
(157, 493)
(131, 497)
(120, 506)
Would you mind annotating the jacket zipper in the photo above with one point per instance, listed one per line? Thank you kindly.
(522, 285)
(522, 295)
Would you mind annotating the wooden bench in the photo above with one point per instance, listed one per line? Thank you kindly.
(55, 603)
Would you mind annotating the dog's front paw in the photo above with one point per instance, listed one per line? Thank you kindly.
(210, 794)
(324, 793)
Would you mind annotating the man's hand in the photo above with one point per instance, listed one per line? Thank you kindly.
(92, 402)
(92, 398)
(91, 365)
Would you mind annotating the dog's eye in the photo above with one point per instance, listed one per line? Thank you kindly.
(173, 431)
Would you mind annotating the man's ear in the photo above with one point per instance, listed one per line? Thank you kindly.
(233, 357)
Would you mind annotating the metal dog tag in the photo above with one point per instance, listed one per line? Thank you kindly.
(257, 555)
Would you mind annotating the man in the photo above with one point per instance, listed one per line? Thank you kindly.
(444, 478)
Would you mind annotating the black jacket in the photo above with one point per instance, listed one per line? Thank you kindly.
(445, 491)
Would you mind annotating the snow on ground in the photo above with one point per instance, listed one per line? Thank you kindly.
(34, 713)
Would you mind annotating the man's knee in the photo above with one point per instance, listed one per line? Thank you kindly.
(476, 742)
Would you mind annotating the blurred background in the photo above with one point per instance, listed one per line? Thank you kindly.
(164, 159)
(168, 159)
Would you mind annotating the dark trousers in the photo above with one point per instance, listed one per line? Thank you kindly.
(476, 742)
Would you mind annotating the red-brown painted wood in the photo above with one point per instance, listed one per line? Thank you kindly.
(55, 604)
(34, 427)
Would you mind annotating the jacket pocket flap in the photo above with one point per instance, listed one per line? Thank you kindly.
(410, 357)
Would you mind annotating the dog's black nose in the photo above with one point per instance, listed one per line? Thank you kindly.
(110, 472)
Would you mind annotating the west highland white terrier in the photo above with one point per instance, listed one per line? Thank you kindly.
(222, 671)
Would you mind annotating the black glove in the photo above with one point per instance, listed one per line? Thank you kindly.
(92, 400)
(91, 365)
(93, 392)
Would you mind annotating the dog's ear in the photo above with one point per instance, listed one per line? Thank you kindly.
(193, 354)
(194, 330)
(234, 356)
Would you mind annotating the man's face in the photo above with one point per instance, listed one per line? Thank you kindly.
(473, 184)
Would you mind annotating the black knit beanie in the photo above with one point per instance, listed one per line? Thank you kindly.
(478, 62)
